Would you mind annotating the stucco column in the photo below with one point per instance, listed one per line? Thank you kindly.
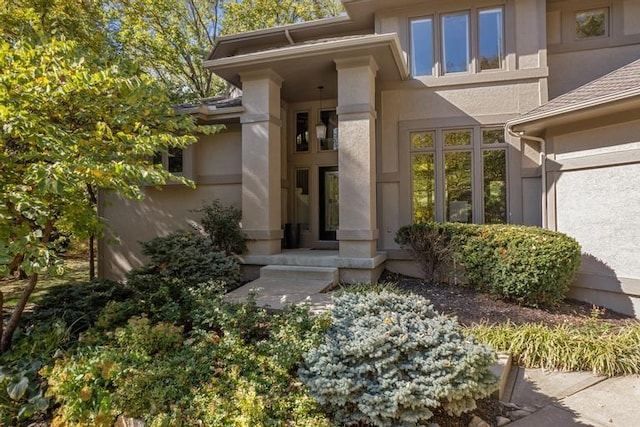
(261, 127)
(358, 232)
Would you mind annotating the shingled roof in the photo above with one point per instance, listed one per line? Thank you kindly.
(619, 84)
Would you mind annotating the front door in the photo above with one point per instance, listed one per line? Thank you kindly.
(329, 211)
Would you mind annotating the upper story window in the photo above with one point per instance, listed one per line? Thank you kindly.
(455, 43)
(591, 23)
(422, 47)
(470, 41)
(490, 39)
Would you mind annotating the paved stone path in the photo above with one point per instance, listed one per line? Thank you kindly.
(563, 399)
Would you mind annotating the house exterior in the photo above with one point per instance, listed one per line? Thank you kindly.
(429, 110)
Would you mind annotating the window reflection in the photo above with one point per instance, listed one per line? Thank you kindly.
(330, 119)
(424, 184)
(458, 192)
(490, 43)
(495, 186)
(422, 47)
(455, 40)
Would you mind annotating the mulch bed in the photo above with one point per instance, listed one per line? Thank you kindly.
(472, 307)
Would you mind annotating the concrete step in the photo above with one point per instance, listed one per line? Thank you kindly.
(292, 272)
(276, 293)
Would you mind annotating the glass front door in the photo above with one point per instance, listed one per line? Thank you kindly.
(329, 211)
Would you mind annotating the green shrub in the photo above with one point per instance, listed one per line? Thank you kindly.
(78, 304)
(241, 373)
(21, 388)
(595, 346)
(390, 359)
(189, 257)
(222, 223)
(529, 265)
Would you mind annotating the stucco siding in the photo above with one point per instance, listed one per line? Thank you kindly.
(217, 173)
(600, 208)
(591, 64)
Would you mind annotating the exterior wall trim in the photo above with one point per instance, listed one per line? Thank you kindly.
(219, 179)
(595, 161)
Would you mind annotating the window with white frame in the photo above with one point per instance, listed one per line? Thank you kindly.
(459, 175)
(459, 47)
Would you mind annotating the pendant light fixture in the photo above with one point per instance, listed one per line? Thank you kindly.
(321, 128)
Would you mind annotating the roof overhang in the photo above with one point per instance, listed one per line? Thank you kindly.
(211, 114)
(305, 66)
(536, 124)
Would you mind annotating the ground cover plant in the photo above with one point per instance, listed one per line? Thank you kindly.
(528, 265)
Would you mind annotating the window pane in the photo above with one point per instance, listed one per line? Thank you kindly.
(175, 160)
(422, 47)
(302, 132)
(490, 39)
(495, 186)
(423, 187)
(302, 198)
(455, 40)
(592, 23)
(330, 119)
(493, 136)
(458, 195)
(421, 140)
(457, 137)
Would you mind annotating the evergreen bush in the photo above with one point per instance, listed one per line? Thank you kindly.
(529, 265)
(391, 360)
(222, 223)
(190, 257)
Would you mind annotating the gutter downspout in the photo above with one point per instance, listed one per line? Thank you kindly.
(543, 166)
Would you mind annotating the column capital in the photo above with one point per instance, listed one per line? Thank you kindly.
(263, 74)
(358, 61)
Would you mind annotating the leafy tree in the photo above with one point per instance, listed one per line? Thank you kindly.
(68, 123)
(247, 15)
(169, 39)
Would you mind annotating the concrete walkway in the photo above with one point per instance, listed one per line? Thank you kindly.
(563, 399)
(536, 397)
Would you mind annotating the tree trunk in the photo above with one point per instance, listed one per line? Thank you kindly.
(1, 313)
(12, 324)
(92, 256)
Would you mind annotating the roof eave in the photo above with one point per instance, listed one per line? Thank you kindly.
(536, 121)
(302, 50)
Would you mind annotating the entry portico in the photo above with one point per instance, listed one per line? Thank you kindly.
(347, 68)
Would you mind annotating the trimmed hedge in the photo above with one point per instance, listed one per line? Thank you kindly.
(529, 265)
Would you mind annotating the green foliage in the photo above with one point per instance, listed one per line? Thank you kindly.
(248, 15)
(390, 360)
(236, 373)
(78, 304)
(595, 346)
(168, 39)
(21, 388)
(189, 257)
(222, 223)
(529, 265)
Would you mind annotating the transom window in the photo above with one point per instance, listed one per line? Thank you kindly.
(459, 175)
(454, 53)
(591, 23)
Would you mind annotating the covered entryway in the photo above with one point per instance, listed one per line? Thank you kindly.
(334, 176)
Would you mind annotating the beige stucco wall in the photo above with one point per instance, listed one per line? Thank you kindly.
(402, 111)
(573, 62)
(217, 160)
(594, 180)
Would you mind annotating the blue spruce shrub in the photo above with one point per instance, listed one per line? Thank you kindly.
(391, 360)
